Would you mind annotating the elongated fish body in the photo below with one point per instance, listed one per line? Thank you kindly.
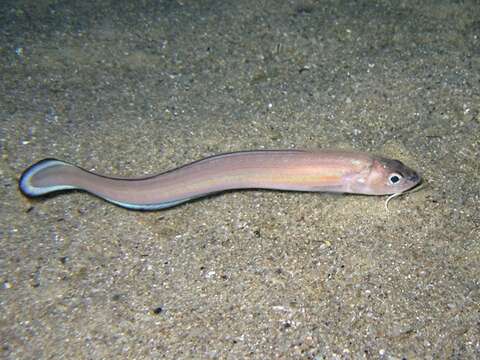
(295, 170)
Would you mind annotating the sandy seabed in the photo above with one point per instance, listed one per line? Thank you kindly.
(131, 88)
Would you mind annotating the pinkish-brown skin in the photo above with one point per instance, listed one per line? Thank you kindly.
(295, 170)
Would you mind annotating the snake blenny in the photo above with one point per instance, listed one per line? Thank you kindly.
(292, 170)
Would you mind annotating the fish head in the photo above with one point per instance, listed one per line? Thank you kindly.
(387, 176)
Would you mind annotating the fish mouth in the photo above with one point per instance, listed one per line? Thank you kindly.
(416, 183)
(414, 178)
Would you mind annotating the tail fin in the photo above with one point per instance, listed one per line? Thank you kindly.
(27, 185)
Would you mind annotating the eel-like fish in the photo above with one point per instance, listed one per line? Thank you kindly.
(296, 170)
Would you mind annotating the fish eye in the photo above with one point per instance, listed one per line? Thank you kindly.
(394, 178)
